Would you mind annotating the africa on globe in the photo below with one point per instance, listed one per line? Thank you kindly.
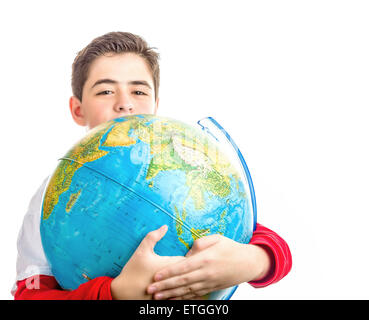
(132, 175)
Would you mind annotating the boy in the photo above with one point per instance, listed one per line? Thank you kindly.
(117, 74)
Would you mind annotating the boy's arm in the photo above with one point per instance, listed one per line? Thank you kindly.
(278, 251)
(46, 287)
(216, 262)
(41, 287)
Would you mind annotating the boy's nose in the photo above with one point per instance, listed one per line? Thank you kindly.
(123, 104)
(125, 108)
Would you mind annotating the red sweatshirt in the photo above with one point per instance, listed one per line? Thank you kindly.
(99, 288)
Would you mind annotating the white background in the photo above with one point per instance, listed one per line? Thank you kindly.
(288, 79)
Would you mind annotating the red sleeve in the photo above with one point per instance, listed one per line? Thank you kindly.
(41, 287)
(278, 251)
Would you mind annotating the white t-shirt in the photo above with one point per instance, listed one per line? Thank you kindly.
(31, 259)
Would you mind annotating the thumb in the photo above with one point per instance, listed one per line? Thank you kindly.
(202, 243)
(153, 237)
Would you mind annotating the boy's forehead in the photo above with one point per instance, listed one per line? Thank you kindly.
(120, 67)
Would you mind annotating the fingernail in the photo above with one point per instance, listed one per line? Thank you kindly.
(151, 289)
(158, 296)
(158, 277)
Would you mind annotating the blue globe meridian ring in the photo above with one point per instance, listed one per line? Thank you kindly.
(128, 177)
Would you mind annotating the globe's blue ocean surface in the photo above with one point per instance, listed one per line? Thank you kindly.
(128, 177)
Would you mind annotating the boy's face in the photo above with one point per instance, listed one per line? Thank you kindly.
(117, 85)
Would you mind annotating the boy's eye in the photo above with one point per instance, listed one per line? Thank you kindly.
(139, 93)
(105, 92)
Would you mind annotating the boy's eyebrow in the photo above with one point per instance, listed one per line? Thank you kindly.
(140, 82)
(110, 81)
(133, 82)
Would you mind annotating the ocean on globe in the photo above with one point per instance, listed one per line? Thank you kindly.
(130, 176)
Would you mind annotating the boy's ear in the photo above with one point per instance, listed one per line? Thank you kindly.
(76, 111)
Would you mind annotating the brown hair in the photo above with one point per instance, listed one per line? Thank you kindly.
(113, 42)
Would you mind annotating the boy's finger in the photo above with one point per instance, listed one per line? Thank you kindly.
(178, 286)
(153, 237)
(180, 268)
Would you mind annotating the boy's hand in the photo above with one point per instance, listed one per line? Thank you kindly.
(213, 263)
(139, 271)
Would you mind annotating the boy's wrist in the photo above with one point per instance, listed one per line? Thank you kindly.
(117, 289)
(261, 265)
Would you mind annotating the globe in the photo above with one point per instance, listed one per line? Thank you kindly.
(132, 175)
